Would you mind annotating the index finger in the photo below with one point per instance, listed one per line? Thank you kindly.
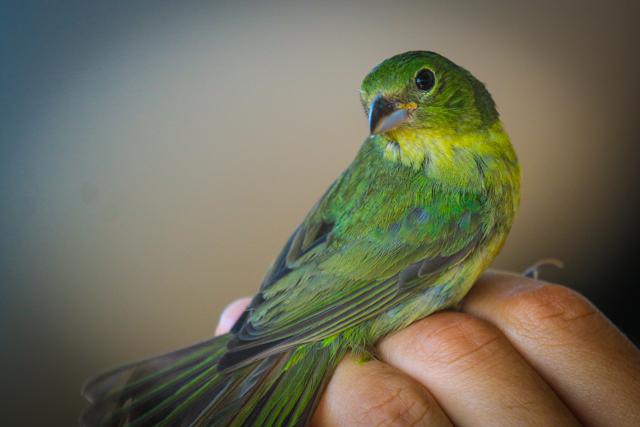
(590, 364)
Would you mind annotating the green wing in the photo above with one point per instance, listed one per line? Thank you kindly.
(356, 254)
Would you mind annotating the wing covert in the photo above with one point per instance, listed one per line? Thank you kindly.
(338, 270)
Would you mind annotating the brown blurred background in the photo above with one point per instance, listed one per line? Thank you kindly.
(153, 159)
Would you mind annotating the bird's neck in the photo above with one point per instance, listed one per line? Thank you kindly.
(470, 161)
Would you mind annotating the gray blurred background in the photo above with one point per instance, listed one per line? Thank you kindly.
(154, 158)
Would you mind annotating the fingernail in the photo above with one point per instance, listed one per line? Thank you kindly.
(230, 314)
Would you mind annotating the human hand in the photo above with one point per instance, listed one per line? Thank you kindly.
(520, 352)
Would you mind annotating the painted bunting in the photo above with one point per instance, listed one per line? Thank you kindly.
(403, 232)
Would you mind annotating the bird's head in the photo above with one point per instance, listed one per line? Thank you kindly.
(423, 91)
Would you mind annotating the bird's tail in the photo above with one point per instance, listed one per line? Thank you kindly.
(186, 388)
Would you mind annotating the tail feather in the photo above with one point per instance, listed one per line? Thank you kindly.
(129, 376)
(189, 388)
(290, 396)
(135, 394)
(211, 398)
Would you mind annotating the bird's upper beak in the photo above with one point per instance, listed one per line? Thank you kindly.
(385, 115)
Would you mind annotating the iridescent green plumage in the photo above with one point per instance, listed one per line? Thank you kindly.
(403, 232)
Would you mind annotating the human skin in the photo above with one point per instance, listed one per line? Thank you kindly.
(519, 352)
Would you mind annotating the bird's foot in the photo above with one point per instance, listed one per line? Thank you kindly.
(533, 272)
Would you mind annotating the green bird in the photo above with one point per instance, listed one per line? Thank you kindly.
(403, 232)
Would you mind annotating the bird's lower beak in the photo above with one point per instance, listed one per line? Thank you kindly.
(385, 115)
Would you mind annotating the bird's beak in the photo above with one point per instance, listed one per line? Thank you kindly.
(385, 115)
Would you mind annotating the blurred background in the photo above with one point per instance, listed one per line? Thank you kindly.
(153, 159)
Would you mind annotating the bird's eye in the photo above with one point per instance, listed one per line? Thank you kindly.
(425, 79)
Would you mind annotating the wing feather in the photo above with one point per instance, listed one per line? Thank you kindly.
(341, 267)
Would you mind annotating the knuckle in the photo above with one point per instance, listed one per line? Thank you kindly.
(455, 339)
(550, 308)
(395, 401)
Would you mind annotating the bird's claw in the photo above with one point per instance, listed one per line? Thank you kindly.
(533, 272)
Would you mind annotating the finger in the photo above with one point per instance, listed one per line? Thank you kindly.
(593, 367)
(475, 374)
(230, 314)
(375, 394)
